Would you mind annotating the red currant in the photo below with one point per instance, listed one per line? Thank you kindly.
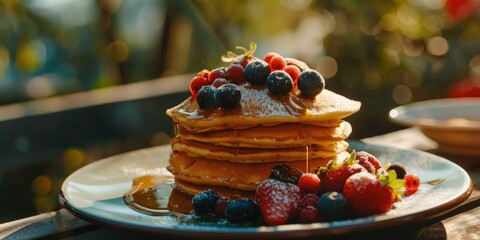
(204, 73)
(235, 73)
(195, 85)
(246, 60)
(216, 73)
(277, 63)
(412, 182)
(310, 183)
(219, 82)
(294, 73)
(269, 56)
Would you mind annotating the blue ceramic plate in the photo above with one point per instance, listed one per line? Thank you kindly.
(95, 193)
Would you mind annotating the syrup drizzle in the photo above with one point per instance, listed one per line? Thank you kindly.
(307, 158)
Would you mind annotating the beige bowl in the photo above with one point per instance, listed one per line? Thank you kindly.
(453, 123)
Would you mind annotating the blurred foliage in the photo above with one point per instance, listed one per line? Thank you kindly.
(387, 54)
(384, 54)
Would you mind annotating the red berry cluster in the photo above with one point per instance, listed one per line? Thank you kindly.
(278, 73)
(277, 62)
(217, 77)
(338, 191)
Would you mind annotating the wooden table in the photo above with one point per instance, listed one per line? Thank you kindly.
(461, 223)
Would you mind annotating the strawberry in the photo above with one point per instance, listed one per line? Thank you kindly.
(335, 174)
(369, 194)
(278, 201)
(368, 161)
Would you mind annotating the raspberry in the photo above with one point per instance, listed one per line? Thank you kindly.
(279, 83)
(309, 199)
(235, 73)
(412, 182)
(219, 207)
(256, 72)
(310, 83)
(277, 63)
(195, 85)
(294, 73)
(309, 212)
(367, 160)
(219, 82)
(216, 73)
(286, 173)
(310, 183)
(269, 56)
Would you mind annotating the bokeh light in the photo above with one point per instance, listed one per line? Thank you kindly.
(117, 51)
(402, 94)
(73, 158)
(327, 66)
(475, 65)
(41, 185)
(40, 87)
(437, 46)
(389, 22)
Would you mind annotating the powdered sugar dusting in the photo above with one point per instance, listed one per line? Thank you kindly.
(278, 201)
(257, 102)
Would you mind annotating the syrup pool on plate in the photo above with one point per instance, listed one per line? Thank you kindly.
(156, 195)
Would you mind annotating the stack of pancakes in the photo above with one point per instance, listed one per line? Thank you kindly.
(233, 150)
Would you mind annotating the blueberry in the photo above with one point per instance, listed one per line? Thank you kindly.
(279, 83)
(206, 97)
(310, 83)
(399, 170)
(242, 210)
(333, 206)
(228, 95)
(203, 202)
(256, 72)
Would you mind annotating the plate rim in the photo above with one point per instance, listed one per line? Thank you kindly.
(283, 231)
(396, 114)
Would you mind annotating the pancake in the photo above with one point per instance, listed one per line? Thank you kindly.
(258, 107)
(192, 189)
(276, 136)
(242, 131)
(242, 176)
(244, 155)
